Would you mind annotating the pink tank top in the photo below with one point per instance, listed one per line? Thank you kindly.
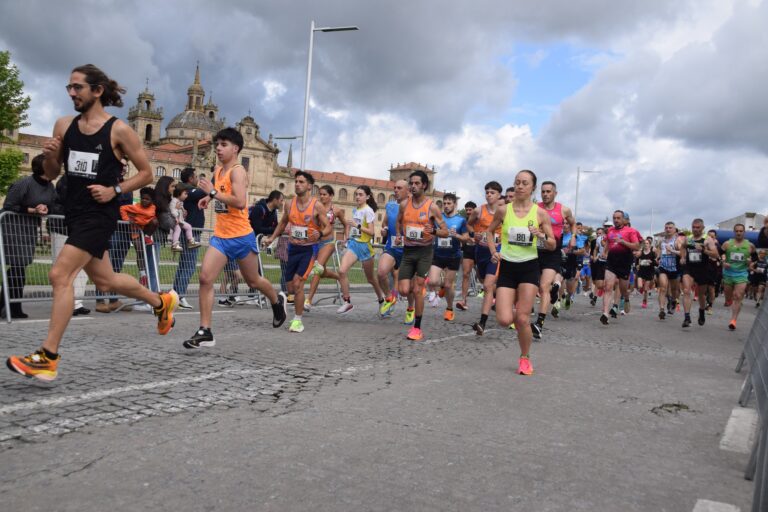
(556, 216)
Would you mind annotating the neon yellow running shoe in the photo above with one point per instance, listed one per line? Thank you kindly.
(410, 315)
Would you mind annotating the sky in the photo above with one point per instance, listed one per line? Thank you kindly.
(660, 101)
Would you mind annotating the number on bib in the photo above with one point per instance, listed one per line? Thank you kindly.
(519, 236)
(219, 207)
(394, 241)
(354, 232)
(694, 257)
(299, 232)
(83, 164)
(645, 263)
(737, 256)
(444, 243)
(414, 233)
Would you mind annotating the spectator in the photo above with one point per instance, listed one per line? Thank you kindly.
(196, 218)
(179, 214)
(263, 215)
(143, 221)
(32, 196)
(163, 190)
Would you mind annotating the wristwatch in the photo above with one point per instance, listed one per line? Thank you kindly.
(213, 193)
(118, 190)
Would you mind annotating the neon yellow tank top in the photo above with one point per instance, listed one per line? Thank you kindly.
(518, 244)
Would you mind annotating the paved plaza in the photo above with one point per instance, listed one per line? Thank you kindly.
(351, 416)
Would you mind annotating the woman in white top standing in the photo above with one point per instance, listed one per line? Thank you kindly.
(359, 231)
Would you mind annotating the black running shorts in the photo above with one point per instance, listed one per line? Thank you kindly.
(551, 260)
(620, 264)
(513, 274)
(90, 233)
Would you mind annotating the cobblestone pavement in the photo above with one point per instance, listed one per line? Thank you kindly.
(647, 401)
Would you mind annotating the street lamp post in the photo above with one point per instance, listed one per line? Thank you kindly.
(578, 178)
(312, 31)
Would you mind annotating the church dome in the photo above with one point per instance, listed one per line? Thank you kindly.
(193, 120)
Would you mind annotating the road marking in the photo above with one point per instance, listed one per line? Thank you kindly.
(714, 506)
(74, 318)
(473, 333)
(97, 395)
(215, 312)
(740, 430)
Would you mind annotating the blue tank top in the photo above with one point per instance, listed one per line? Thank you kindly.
(450, 247)
(393, 209)
(668, 260)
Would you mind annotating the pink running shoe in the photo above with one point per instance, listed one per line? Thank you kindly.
(525, 367)
(415, 334)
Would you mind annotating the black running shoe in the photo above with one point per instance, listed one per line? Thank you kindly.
(479, 329)
(614, 311)
(603, 319)
(279, 310)
(702, 317)
(536, 330)
(229, 302)
(202, 338)
(686, 322)
(662, 314)
(554, 292)
(593, 300)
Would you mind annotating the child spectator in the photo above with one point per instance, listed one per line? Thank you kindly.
(179, 214)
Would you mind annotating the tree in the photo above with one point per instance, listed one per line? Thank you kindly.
(13, 103)
(10, 163)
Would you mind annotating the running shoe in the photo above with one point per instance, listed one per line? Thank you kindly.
(732, 325)
(448, 316)
(604, 319)
(757, 304)
(556, 310)
(462, 305)
(410, 316)
(702, 317)
(183, 304)
(614, 311)
(593, 300)
(513, 326)
(345, 308)
(318, 269)
(524, 366)
(536, 330)
(279, 310)
(662, 314)
(307, 305)
(627, 308)
(36, 365)
(229, 302)
(435, 300)
(568, 302)
(709, 309)
(554, 292)
(386, 307)
(478, 328)
(289, 299)
(202, 338)
(686, 322)
(165, 321)
(296, 325)
(481, 294)
(415, 334)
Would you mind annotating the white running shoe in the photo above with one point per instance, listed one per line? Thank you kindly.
(144, 308)
(345, 308)
(183, 304)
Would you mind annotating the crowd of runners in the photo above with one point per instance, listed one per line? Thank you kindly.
(520, 251)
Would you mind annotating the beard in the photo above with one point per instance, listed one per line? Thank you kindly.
(85, 105)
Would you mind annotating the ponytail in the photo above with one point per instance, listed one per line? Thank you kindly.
(97, 78)
(370, 201)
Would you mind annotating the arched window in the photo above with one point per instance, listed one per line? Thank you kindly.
(281, 186)
(391, 197)
(176, 173)
(148, 133)
(380, 199)
(148, 104)
(343, 194)
(160, 171)
(211, 114)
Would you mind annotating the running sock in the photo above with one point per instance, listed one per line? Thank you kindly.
(381, 301)
(50, 355)
(483, 319)
(448, 309)
(297, 317)
(417, 322)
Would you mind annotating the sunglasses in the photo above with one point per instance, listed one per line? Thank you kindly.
(76, 87)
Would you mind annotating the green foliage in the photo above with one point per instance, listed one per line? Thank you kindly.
(10, 163)
(13, 103)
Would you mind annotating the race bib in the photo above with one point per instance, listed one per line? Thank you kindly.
(393, 241)
(219, 207)
(519, 236)
(540, 243)
(694, 257)
(82, 164)
(645, 263)
(444, 243)
(354, 232)
(496, 238)
(299, 232)
(760, 270)
(414, 233)
(737, 256)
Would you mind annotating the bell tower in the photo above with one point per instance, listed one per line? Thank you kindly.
(145, 117)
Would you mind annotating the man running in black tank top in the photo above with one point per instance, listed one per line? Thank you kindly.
(90, 146)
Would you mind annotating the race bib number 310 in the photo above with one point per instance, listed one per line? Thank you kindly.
(82, 164)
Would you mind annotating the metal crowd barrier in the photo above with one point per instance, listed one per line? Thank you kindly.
(755, 354)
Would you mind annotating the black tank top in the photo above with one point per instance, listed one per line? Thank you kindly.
(89, 160)
(643, 258)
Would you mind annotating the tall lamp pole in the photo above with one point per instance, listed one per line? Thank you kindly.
(578, 178)
(312, 31)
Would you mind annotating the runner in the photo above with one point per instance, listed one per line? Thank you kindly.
(359, 233)
(550, 262)
(695, 258)
(91, 145)
(736, 263)
(522, 224)
(573, 254)
(390, 259)
(599, 257)
(308, 223)
(669, 249)
(716, 272)
(646, 267)
(415, 228)
(485, 267)
(467, 258)
(760, 272)
(233, 237)
(327, 244)
(622, 241)
(447, 254)
(509, 195)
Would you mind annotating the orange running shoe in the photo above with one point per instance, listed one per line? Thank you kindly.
(36, 364)
(415, 334)
(448, 316)
(525, 367)
(164, 313)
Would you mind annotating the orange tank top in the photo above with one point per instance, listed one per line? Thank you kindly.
(230, 222)
(414, 221)
(302, 222)
(481, 226)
